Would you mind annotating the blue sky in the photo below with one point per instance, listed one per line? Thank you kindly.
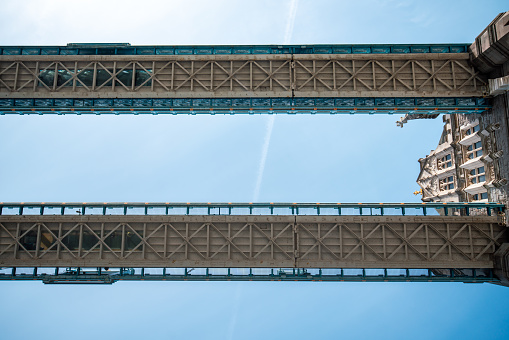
(217, 158)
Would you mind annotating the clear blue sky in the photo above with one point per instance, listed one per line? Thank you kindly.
(216, 158)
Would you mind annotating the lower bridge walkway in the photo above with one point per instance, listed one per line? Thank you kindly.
(107, 242)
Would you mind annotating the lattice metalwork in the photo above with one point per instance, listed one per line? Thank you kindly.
(239, 76)
(250, 241)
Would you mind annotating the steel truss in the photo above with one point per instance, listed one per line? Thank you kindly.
(249, 241)
(239, 76)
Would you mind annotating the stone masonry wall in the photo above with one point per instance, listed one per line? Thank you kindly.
(499, 114)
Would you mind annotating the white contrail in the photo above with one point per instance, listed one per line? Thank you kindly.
(291, 21)
(265, 151)
(270, 122)
(235, 312)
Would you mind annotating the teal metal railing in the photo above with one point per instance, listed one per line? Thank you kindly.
(297, 105)
(128, 49)
(111, 275)
(334, 209)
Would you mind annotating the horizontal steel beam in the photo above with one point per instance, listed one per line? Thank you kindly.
(239, 76)
(250, 241)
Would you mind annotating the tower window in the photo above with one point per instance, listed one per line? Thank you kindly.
(477, 175)
(444, 162)
(481, 196)
(446, 183)
(472, 130)
(474, 150)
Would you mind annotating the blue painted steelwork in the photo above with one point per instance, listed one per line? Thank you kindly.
(127, 49)
(333, 209)
(111, 275)
(245, 105)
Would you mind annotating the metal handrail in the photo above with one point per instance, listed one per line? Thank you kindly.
(127, 49)
(255, 208)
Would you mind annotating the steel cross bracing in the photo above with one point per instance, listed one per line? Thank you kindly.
(308, 83)
(252, 241)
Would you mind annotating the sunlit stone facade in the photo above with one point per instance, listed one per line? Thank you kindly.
(466, 165)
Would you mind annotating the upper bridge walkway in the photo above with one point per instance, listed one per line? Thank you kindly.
(119, 79)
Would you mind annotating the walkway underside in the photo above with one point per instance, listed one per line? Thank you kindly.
(406, 83)
(250, 241)
(239, 76)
